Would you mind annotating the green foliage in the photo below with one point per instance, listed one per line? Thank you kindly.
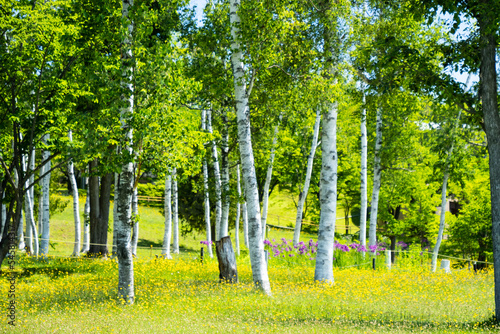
(470, 232)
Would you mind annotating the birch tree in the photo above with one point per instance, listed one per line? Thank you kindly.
(45, 223)
(307, 181)
(444, 198)
(165, 251)
(76, 204)
(256, 246)
(377, 176)
(269, 174)
(124, 252)
(224, 229)
(217, 179)
(86, 223)
(31, 230)
(135, 215)
(206, 194)
(332, 50)
(238, 212)
(364, 176)
(175, 211)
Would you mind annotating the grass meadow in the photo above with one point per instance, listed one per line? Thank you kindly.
(79, 295)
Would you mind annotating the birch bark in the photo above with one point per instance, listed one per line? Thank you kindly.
(328, 197)
(224, 229)
(175, 211)
(442, 215)
(267, 184)
(123, 230)
(364, 177)
(31, 225)
(377, 175)
(206, 194)
(31, 230)
(307, 181)
(86, 222)
(115, 216)
(76, 204)
(135, 212)
(168, 217)
(256, 246)
(238, 212)
(44, 242)
(218, 186)
(20, 235)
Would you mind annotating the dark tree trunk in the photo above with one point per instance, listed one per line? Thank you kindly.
(227, 260)
(5, 242)
(488, 91)
(99, 212)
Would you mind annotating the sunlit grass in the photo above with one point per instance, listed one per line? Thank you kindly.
(183, 295)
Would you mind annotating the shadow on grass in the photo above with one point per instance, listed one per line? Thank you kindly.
(145, 243)
(425, 326)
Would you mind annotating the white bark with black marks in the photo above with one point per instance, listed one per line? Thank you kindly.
(328, 197)
(115, 216)
(175, 211)
(377, 177)
(86, 222)
(123, 202)
(167, 234)
(256, 246)
(238, 212)
(31, 230)
(206, 194)
(364, 177)
(45, 221)
(218, 186)
(442, 216)
(76, 203)
(307, 181)
(135, 213)
(267, 183)
(224, 225)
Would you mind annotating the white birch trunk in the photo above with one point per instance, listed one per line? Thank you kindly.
(175, 211)
(4, 217)
(123, 202)
(245, 223)
(238, 212)
(115, 216)
(307, 181)
(76, 204)
(168, 217)
(32, 225)
(224, 225)
(256, 246)
(20, 229)
(44, 243)
(364, 177)
(135, 212)
(328, 197)
(206, 194)
(267, 184)
(218, 186)
(441, 220)
(86, 223)
(31, 231)
(442, 216)
(377, 176)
